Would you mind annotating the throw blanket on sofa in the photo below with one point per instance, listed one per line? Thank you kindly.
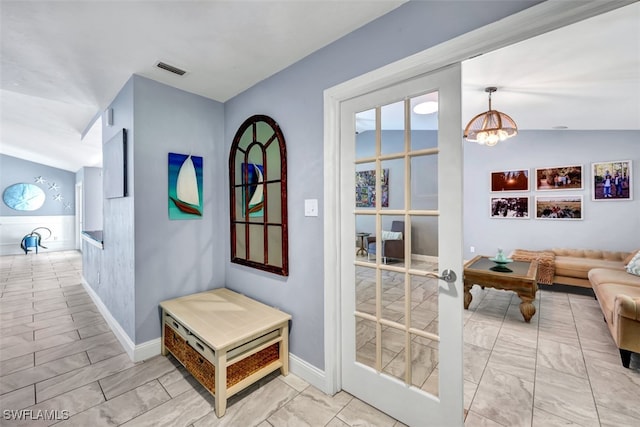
(546, 263)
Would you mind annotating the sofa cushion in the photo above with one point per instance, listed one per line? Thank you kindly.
(634, 265)
(628, 306)
(579, 267)
(591, 254)
(391, 235)
(598, 276)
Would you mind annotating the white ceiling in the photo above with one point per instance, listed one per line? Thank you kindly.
(63, 62)
(585, 76)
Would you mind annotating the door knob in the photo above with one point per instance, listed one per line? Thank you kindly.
(448, 275)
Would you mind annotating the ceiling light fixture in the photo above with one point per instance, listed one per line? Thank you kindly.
(428, 107)
(490, 127)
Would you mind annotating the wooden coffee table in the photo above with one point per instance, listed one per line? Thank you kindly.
(522, 280)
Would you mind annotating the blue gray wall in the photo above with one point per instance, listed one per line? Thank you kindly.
(15, 171)
(115, 284)
(164, 259)
(175, 258)
(607, 225)
(294, 98)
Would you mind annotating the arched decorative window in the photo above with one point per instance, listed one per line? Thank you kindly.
(258, 179)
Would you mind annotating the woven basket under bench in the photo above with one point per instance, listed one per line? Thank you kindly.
(224, 332)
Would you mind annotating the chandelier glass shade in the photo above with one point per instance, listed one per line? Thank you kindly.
(490, 127)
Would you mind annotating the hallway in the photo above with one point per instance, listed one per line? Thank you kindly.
(58, 354)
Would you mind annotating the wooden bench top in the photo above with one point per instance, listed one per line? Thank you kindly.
(223, 318)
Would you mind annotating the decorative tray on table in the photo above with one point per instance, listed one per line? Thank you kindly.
(501, 264)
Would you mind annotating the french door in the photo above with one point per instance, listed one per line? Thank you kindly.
(401, 276)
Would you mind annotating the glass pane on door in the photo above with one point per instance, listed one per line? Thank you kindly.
(424, 121)
(392, 123)
(393, 296)
(401, 326)
(424, 182)
(394, 343)
(365, 191)
(396, 313)
(366, 342)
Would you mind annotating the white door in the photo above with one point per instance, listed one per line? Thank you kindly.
(401, 324)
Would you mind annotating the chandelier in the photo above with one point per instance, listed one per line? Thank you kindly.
(490, 127)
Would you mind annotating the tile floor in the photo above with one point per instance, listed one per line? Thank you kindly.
(563, 368)
(58, 354)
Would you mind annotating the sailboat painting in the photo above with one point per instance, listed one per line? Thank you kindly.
(254, 187)
(185, 186)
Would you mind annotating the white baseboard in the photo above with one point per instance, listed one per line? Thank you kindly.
(424, 258)
(51, 246)
(151, 348)
(117, 330)
(147, 350)
(14, 228)
(136, 353)
(308, 372)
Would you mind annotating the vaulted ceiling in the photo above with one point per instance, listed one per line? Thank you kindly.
(62, 62)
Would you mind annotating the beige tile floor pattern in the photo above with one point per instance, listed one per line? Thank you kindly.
(57, 353)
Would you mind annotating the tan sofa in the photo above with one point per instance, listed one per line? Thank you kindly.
(571, 266)
(618, 293)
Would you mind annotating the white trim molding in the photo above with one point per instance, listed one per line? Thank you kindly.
(307, 372)
(14, 228)
(531, 22)
(147, 350)
(136, 353)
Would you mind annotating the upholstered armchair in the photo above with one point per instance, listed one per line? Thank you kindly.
(392, 243)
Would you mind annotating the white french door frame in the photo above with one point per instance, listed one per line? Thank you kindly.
(529, 23)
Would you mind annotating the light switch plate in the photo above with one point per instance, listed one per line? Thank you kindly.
(311, 207)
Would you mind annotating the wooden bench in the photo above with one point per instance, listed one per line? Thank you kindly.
(226, 340)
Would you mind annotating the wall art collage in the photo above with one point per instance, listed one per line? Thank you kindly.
(557, 190)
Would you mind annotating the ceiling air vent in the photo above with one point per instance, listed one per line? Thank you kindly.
(170, 68)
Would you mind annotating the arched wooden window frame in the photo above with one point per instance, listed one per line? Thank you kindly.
(252, 231)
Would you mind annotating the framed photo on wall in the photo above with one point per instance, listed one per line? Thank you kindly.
(559, 207)
(366, 188)
(559, 178)
(509, 207)
(510, 180)
(611, 180)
